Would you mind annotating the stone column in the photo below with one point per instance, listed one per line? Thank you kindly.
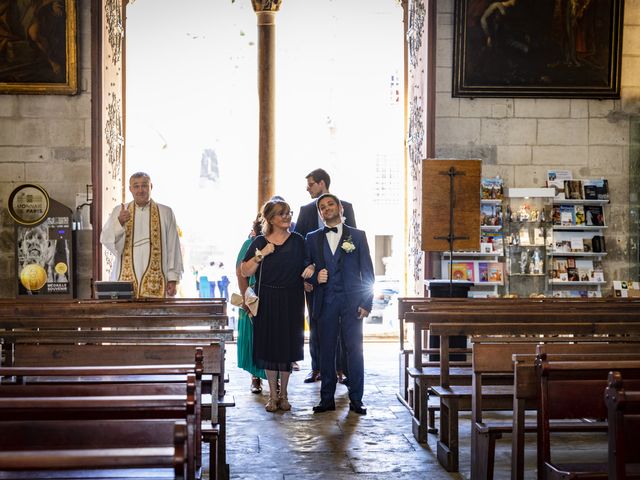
(266, 20)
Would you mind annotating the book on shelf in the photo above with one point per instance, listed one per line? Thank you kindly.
(490, 272)
(587, 245)
(596, 189)
(597, 273)
(572, 275)
(573, 190)
(567, 213)
(491, 215)
(597, 244)
(555, 215)
(603, 190)
(558, 270)
(491, 188)
(491, 242)
(579, 214)
(562, 246)
(594, 216)
(577, 244)
(461, 271)
(556, 179)
(584, 268)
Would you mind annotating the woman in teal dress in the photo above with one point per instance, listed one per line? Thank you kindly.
(245, 325)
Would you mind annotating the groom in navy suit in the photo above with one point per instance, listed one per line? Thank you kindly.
(309, 219)
(343, 293)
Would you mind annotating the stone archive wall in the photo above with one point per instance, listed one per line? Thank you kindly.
(46, 139)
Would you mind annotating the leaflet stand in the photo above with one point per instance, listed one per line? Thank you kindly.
(451, 238)
(451, 207)
(450, 221)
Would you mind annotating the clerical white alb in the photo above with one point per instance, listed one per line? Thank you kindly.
(114, 237)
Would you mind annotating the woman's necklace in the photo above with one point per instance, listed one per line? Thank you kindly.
(278, 241)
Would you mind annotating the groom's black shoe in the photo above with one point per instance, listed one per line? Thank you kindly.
(324, 406)
(357, 407)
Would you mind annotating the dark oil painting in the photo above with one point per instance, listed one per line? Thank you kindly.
(38, 46)
(537, 48)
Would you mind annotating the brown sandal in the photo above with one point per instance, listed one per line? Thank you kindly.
(256, 385)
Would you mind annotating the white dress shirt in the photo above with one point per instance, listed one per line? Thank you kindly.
(334, 238)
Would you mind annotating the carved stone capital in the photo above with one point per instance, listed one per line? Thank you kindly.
(266, 5)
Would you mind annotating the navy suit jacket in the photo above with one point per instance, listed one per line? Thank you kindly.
(308, 217)
(355, 268)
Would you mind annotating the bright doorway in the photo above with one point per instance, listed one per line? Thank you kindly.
(192, 117)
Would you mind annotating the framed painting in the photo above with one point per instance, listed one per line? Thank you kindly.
(537, 48)
(38, 53)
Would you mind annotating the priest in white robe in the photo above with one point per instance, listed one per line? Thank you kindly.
(143, 236)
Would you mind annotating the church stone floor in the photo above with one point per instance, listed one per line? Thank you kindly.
(340, 445)
(333, 445)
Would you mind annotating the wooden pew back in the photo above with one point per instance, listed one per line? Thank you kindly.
(86, 446)
(623, 406)
(575, 390)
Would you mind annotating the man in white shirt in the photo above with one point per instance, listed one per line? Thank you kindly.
(143, 236)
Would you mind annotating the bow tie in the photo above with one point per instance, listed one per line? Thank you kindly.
(330, 229)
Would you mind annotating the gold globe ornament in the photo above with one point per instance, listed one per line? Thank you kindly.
(33, 277)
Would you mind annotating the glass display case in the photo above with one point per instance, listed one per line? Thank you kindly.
(527, 236)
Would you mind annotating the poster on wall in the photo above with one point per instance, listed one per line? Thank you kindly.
(43, 233)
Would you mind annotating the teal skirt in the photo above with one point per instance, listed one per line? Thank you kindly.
(245, 346)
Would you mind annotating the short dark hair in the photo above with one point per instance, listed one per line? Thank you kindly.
(140, 175)
(319, 175)
(327, 195)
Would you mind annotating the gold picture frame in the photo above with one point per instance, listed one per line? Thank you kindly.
(38, 47)
(538, 48)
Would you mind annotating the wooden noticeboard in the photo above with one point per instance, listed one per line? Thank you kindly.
(436, 204)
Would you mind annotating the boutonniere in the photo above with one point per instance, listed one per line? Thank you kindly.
(348, 245)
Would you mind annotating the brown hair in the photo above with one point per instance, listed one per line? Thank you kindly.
(269, 211)
(320, 175)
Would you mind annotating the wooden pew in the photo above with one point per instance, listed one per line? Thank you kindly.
(214, 403)
(492, 358)
(166, 306)
(575, 390)
(440, 310)
(454, 398)
(623, 407)
(106, 392)
(153, 448)
(156, 321)
(413, 382)
(75, 336)
(425, 378)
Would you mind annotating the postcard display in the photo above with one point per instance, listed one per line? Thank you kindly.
(577, 247)
(483, 266)
(44, 246)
